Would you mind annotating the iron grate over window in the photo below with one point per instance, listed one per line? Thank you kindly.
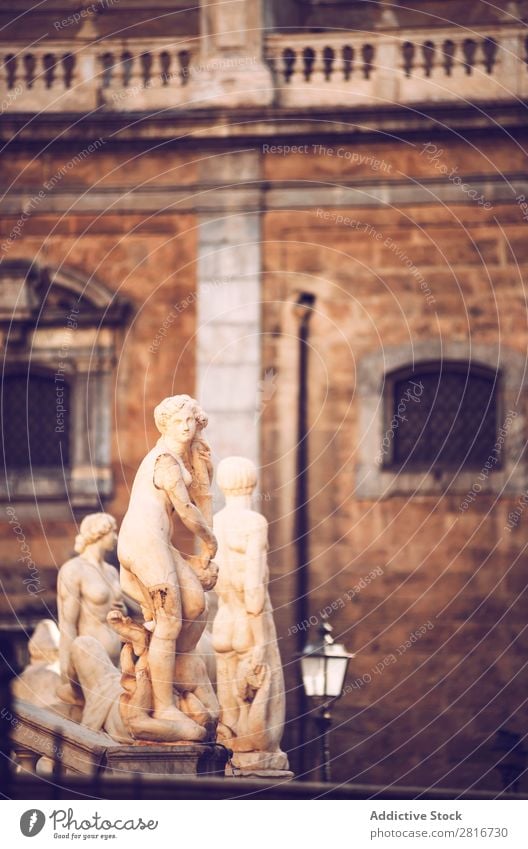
(447, 417)
(35, 422)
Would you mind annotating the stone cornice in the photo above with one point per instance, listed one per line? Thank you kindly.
(221, 126)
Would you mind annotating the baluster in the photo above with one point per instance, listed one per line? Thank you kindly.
(289, 60)
(469, 49)
(29, 66)
(308, 63)
(26, 760)
(107, 61)
(328, 62)
(184, 63)
(49, 69)
(408, 51)
(448, 51)
(10, 69)
(68, 69)
(127, 62)
(146, 68)
(165, 67)
(348, 61)
(428, 53)
(489, 49)
(367, 53)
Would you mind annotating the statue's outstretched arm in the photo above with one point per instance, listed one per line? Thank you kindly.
(167, 476)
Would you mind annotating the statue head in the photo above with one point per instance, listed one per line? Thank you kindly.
(236, 476)
(96, 527)
(180, 417)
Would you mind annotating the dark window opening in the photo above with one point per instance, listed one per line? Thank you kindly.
(444, 416)
(35, 422)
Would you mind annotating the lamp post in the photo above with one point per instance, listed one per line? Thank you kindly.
(324, 665)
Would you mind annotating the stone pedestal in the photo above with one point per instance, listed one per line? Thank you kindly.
(39, 733)
(168, 759)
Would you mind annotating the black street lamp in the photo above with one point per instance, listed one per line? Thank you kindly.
(324, 667)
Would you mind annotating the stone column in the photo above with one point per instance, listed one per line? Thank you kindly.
(229, 312)
(230, 70)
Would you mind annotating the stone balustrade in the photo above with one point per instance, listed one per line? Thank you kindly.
(131, 77)
(355, 69)
(309, 70)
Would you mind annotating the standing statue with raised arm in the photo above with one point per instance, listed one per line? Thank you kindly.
(171, 491)
(249, 672)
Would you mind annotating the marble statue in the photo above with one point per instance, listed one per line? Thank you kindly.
(250, 681)
(39, 681)
(171, 495)
(120, 702)
(88, 589)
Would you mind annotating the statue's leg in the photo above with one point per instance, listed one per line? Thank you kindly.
(134, 588)
(226, 665)
(99, 678)
(256, 716)
(194, 606)
(166, 606)
(199, 699)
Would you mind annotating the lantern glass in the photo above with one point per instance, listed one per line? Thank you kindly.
(335, 675)
(313, 674)
(324, 674)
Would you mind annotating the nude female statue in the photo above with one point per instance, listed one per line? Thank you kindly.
(87, 590)
(171, 487)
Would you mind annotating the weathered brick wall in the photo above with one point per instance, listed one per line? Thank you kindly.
(460, 680)
(147, 259)
(417, 717)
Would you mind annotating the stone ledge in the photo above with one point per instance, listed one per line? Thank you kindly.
(86, 752)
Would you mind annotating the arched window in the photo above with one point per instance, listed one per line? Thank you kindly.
(35, 421)
(441, 415)
(59, 331)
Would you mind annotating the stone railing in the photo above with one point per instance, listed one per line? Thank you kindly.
(309, 70)
(37, 735)
(345, 69)
(132, 76)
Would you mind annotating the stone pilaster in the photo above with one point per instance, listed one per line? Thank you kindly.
(231, 70)
(229, 315)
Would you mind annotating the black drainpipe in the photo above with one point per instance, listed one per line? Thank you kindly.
(305, 303)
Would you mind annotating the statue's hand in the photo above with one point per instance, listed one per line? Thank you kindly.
(205, 570)
(258, 669)
(211, 545)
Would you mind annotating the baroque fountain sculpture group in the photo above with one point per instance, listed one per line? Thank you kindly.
(133, 655)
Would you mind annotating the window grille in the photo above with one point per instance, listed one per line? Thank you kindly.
(444, 415)
(35, 422)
